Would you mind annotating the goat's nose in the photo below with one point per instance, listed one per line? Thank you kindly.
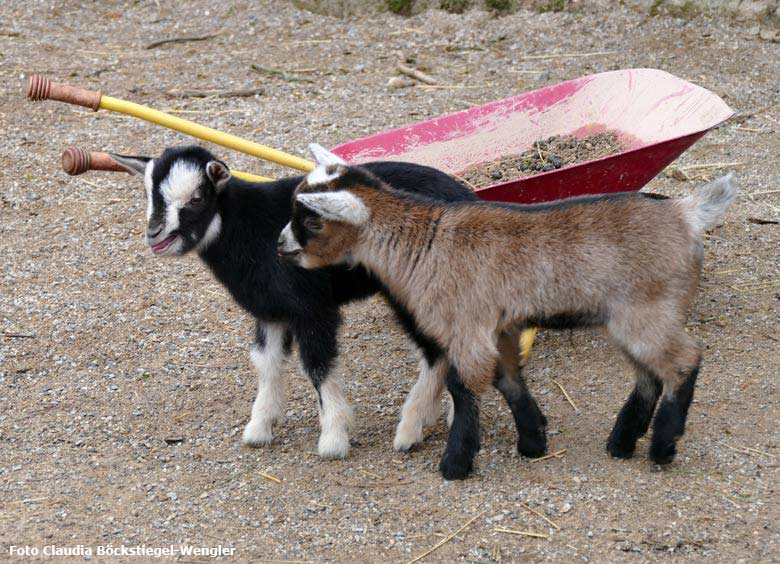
(153, 230)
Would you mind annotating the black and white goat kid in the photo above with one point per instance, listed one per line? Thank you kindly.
(195, 204)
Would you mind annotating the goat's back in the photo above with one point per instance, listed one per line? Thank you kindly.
(569, 256)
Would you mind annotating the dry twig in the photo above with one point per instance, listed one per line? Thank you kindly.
(416, 74)
(322, 505)
(182, 39)
(706, 170)
(564, 55)
(278, 74)
(759, 221)
(18, 335)
(215, 93)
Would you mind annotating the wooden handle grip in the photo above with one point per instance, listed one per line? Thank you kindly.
(78, 161)
(41, 88)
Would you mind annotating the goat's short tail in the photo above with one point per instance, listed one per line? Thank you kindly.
(706, 206)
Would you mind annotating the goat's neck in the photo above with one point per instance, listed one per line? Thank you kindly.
(397, 242)
(245, 236)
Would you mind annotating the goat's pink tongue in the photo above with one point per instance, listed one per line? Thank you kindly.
(162, 245)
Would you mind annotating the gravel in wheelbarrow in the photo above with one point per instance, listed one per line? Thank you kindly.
(544, 156)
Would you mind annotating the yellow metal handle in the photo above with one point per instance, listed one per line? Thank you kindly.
(41, 88)
(206, 133)
(250, 177)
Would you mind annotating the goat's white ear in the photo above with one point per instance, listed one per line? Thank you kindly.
(132, 164)
(336, 206)
(218, 173)
(325, 157)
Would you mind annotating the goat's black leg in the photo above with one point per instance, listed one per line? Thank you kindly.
(463, 440)
(271, 347)
(530, 422)
(316, 339)
(669, 424)
(634, 418)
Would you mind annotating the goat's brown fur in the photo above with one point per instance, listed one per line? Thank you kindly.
(470, 282)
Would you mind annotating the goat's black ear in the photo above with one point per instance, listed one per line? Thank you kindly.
(219, 173)
(132, 164)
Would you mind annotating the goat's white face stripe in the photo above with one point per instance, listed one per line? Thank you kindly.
(148, 185)
(178, 187)
(287, 241)
(182, 181)
(337, 206)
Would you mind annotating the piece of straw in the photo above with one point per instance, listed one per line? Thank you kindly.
(447, 539)
(553, 455)
(267, 476)
(524, 533)
(535, 512)
(566, 395)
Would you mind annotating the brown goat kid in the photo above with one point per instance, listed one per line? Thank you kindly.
(475, 274)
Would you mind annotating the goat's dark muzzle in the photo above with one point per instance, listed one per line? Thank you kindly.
(153, 231)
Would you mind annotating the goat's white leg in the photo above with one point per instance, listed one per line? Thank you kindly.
(421, 408)
(267, 356)
(336, 419)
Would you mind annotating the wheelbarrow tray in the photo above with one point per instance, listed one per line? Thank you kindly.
(655, 115)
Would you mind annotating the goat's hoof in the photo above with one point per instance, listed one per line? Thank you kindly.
(662, 453)
(257, 434)
(406, 438)
(333, 445)
(532, 446)
(456, 467)
(619, 449)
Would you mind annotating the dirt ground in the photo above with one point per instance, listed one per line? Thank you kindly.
(125, 380)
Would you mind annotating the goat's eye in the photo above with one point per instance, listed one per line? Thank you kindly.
(195, 200)
(312, 224)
